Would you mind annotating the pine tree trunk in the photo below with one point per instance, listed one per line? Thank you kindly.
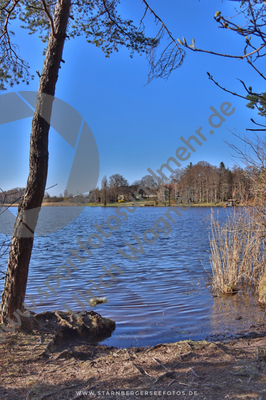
(21, 247)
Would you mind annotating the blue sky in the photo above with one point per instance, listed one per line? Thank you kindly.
(137, 127)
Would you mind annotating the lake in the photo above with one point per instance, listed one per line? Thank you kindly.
(161, 297)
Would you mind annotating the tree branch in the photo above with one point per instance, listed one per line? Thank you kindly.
(49, 17)
(253, 66)
(161, 21)
(9, 12)
(220, 54)
(226, 90)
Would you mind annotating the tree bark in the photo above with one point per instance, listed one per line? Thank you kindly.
(21, 247)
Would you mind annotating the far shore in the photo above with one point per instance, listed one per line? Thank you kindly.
(128, 204)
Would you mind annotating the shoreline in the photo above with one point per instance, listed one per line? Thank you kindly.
(189, 369)
(66, 204)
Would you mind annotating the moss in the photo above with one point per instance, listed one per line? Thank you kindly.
(96, 300)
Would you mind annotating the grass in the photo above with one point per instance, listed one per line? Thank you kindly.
(237, 253)
(207, 204)
(128, 204)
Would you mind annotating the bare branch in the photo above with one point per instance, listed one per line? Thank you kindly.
(253, 66)
(9, 12)
(224, 55)
(49, 16)
(226, 90)
(113, 20)
(256, 130)
(144, 15)
(252, 120)
(163, 24)
(170, 59)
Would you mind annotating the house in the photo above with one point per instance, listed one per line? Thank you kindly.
(230, 203)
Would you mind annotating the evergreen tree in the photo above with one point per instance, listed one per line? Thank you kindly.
(222, 166)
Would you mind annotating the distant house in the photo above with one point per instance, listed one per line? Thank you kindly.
(121, 197)
(125, 192)
(230, 203)
(153, 194)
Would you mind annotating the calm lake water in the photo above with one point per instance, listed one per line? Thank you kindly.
(163, 296)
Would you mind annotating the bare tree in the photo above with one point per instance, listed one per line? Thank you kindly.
(104, 189)
(208, 183)
(149, 182)
(117, 181)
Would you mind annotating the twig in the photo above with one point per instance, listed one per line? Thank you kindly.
(65, 322)
(114, 21)
(159, 362)
(194, 373)
(155, 347)
(169, 384)
(166, 374)
(256, 130)
(142, 371)
(63, 353)
(256, 123)
(63, 365)
(224, 55)
(186, 384)
(253, 66)
(226, 90)
(174, 366)
(163, 25)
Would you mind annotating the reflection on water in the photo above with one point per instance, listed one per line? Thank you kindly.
(232, 314)
(162, 296)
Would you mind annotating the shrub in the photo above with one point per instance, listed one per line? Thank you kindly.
(237, 252)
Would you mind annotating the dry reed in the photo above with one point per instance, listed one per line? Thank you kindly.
(237, 252)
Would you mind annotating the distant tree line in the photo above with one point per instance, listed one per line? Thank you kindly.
(11, 196)
(206, 183)
(213, 184)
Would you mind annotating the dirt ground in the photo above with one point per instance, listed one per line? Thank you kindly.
(182, 370)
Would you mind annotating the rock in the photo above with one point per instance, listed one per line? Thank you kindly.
(66, 327)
